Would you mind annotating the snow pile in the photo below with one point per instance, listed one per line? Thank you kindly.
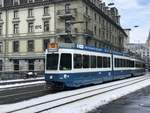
(20, 84)
(18, 80)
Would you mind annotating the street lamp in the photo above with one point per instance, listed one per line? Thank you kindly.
(111, 4)
(136, 26)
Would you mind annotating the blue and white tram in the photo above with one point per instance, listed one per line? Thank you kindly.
(73, 65)
(125, 66)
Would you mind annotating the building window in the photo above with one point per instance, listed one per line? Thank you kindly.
(67, 8)
(99, 32)
(87, 10)
(45, 44)
(30, 13)
(1, 3)
(95, 29)
(30, 27)
(0, 15)
(1, 65)
(30, 1)
(16, 46)
(46, 26)
(16, 28)
(30, 45)
(95, 16)
(31, 65)
(1, 29)
(46, 10)
(16, 65)
(1, 47)
(16, 2)
(16, 14)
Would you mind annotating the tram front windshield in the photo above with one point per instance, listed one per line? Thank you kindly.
(52, 61)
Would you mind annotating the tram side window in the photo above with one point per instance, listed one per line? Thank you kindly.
(106, 62)
(132, 63)
(116, 62)
(144, 65)
(99, 62)
(138, 64)
(65, 62)
(85, 61)
(119, 62)
(125, 63)
(77, 61)
(122, 63)
(128, 63)
(93, 61)
(52, 61)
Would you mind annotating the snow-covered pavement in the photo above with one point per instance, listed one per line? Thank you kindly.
(82, 106)
(20, 80)
(2, 87)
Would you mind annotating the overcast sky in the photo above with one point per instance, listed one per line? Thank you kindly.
(134, 12)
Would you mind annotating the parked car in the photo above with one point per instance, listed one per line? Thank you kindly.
(31, 74)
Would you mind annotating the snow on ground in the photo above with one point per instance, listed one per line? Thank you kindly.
(20, 84)
(92, 103)
(81, 106)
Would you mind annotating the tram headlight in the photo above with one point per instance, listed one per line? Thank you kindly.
(51, 77)
(66, 76)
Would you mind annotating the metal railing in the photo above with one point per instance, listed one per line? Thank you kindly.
(11, 75)
(70, 11)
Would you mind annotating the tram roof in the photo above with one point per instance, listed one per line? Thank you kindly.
(89, 48)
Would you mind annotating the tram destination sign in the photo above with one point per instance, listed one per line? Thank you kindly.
(52, 49)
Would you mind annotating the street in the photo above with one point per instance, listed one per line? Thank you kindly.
(137, 102)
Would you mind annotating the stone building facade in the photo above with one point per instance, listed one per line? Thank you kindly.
(142, 49)
(26, 26)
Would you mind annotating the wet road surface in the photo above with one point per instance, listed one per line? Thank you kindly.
(137, 102)
(23, 93)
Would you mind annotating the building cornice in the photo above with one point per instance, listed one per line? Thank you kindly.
(89, 3)
(8, 4)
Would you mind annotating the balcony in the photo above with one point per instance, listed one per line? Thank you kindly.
(87, 16)
(70, 14)
(30, 18)
(46, 16)
(89, 32)
(15, 20)
(60, 30)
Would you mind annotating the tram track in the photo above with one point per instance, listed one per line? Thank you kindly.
(64, 100)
